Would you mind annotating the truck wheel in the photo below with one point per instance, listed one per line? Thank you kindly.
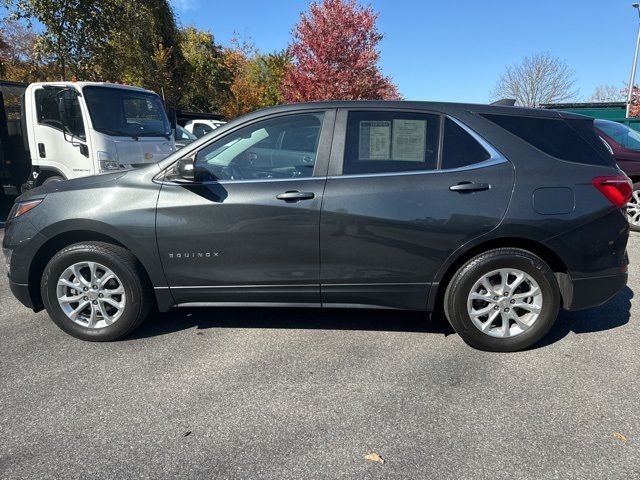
(96, 291)
(502, 300)
(52, 179)
(633, 209)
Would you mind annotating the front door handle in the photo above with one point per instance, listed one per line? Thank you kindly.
(42, 152)
(469, 187)
(294, 196)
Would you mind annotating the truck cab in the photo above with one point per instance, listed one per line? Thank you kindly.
(76, 129)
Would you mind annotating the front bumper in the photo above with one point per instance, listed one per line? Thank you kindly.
(593, 291)
(21, 292)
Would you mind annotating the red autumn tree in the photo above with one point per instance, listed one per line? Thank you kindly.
(335, 55)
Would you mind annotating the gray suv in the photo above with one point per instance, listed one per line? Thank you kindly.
(499, 216)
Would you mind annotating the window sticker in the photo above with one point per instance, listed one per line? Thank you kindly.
(375, 140)
(409, 140)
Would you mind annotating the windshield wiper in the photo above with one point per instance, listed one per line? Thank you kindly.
(116, 133)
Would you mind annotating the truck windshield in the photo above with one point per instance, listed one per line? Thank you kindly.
(124, 112)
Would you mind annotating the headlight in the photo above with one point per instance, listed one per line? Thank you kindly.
(21, 208)
(106, 165)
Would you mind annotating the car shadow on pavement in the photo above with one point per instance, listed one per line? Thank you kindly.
(291, 318)
(613, 314)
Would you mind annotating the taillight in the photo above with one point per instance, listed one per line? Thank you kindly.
(618, 189)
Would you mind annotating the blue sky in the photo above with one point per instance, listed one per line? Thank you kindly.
(454, 50)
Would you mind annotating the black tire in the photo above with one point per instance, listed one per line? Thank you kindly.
(632, 227)
(52, 179)
(459, 288)
(136, 285)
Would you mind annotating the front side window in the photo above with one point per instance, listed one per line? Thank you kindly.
(47, 108)
(387, 142)
(278, 148)
(124, 112)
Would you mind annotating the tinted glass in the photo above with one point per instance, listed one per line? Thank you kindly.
(571, 140)
(256, 152)
(380, 142)
(459, 148)
(201, 129)
(622, 134)
(49, 114)
(123, 112)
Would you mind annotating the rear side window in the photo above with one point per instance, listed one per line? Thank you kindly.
(459, 148)
(201, 129)
(571, 140)
(388, 142)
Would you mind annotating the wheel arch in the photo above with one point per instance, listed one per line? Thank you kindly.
(63, 239)
(551, 258)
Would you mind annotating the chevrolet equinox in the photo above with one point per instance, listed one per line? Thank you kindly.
(498, 216)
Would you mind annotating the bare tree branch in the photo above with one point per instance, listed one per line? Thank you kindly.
(539, 78)
(608, 93)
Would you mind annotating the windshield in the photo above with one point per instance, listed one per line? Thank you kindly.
(625, 136)
(124, 112)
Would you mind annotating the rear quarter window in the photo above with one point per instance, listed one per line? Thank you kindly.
(573, 140)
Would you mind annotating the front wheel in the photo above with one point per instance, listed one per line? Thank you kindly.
(96, 291)
(633, 208)
(502, 300)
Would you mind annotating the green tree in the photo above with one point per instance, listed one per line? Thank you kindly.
(74, 30)
(205, 71)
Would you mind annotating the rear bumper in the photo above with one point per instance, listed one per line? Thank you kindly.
(593, 291)
(21, 292)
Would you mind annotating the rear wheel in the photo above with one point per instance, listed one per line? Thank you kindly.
(503, 300)
(96, 291)
(633, 208)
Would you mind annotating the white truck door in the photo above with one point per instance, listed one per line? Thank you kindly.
(67, 154)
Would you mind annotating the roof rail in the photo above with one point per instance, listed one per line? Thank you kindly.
(505, 102)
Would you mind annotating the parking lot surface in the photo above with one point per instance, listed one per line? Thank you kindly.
(302, 393)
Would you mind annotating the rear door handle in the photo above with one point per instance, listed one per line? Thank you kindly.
(469, 187)
(294, 196)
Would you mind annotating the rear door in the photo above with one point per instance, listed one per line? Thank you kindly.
(405, 189)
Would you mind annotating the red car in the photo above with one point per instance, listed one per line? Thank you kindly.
(625, 147)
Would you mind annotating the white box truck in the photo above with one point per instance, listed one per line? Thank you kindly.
(66, 130)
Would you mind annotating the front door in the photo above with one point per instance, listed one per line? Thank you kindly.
(247, 229)
(405, 189)
(67, 152)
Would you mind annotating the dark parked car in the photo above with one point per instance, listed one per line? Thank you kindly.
(499, 215)
(625, 147)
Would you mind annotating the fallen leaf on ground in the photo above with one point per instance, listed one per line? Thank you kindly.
(374, 457)
(619, 436)
(186, 434)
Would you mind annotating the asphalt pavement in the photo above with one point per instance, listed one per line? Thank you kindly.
(303, 393)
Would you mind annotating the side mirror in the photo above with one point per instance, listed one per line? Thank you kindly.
(185, 169)
(62, 112)
(173, 120)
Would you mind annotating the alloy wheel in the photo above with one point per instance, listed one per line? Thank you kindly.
(504, 303)
(91, 295)
(633, 209)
